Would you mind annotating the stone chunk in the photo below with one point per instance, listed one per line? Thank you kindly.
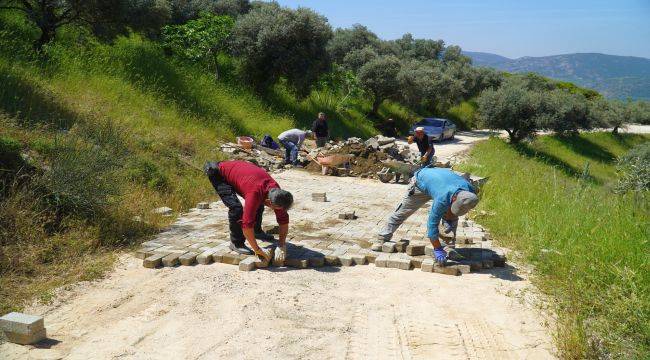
(231, 258)
(20, 323)
(205, 257)
(154, 260)
(428, 250)
(203, 205)
(359, 259)
(26, 339)
(145, 252)
(382, 260)
(171, 259)
(463, 269)
(415, 250)
(447, 270)
(332, 260)
(347, 216)
(188, 259)
(427, 265)
(165, 211)
(416, 262)
(401, 245)
(388, 247)
(297, 263)
(346, 260)
(371, 256)
(248, 264)
(319, 197)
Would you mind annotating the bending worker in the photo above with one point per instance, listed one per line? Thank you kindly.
(292, 140)
(452, 196)
(257, 187)
(425, 146)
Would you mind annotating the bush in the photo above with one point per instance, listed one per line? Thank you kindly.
(147, 173)
(345, 41)
(635, 169)
(379, 78)
(273, 42)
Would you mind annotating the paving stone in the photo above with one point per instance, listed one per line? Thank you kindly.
(319, 197)
(403, 264)
(171, 259)
(428, 250)
(205, 257)
(144, 253)
(371, 256)
(447, 270)
(297, 263)
(21, 323)
(427, 265)
(416, 262)
(388, 247)
(401, 245)
(26, 339)
(316, 261)
(414, 250)
(382, 260)
(154, 260)
(188, 258)
(217, 256)
(358, 259)
(248, 264)
(463, 269)
(376, 247)
(346, 260)
(203, 205)
(332, 260)
(231, 258)
(473, 264)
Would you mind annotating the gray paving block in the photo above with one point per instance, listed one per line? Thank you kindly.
(316, 261)
(388, 247)
(205, 257)
(297, 263)
(171, 259)
(427, 265)
(375, 247)
(382, 260)
(401, 245)
(414, 250)
(416, 262)
(21, 323)
(346, 260)
(248, 264)
(359, 259)
(371, 256)
(332, 260)
(203, 205)
(447, 270)
(231, 258)
(154, 260)
(26, 339)
(428, 250)
(188, 258)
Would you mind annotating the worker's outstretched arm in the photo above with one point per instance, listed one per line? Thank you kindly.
(249, 233)
(284, 230)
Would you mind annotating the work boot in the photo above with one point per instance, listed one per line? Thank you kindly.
(241, 248)
(264, 236)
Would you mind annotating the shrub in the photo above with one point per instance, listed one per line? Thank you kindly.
(273, 42)
(345, 41)
(634, 168)
(379, 78)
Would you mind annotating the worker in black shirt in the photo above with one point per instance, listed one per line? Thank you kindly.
(425, 145)
(320, 130)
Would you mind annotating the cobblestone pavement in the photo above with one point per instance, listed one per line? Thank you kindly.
(335, 232)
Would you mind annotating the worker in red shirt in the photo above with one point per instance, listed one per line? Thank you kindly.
(257, 187)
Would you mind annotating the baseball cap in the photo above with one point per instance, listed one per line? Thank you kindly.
(465, 201)
(419, 128)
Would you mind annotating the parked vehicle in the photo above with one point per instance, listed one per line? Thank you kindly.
(436, 128)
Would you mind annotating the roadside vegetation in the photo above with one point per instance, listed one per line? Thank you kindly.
(560, 201)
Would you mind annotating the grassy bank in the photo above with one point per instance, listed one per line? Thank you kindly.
(552, 201)
(100, 135)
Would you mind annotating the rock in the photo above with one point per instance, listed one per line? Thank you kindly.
(165, 211)
(203, 205)
(388, 247)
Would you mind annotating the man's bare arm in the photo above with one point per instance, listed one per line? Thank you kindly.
(284, 230)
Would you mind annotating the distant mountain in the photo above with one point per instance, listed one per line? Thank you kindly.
(613, 76)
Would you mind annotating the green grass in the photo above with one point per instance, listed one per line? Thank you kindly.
(464, 114)
(590, 247)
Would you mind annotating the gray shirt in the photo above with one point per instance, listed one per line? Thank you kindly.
(296, 136)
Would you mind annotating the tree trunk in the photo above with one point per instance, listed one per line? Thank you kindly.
(615, 130)
(47, 35)
(375, 105)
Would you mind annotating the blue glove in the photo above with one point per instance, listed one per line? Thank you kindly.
(441, 255)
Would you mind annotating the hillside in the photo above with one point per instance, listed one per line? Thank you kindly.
(613, 76)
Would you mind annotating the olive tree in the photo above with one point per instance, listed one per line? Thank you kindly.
(185, 10)
(566, 112)
(200, 40)
(345, 41)
(512, 108)
(418, 49)
(273, 42)
(357, 58)
(378, 78)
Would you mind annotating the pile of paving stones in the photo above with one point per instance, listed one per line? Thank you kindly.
(472, 252)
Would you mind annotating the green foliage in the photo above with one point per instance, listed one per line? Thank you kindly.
(588, 246)
(464, 114)
(635, 169)
(512, 108)
(418, 49)
(147, 173)
(567, 112)
(201, 39)
(355, 59)
(345, 41)
(379, 78)
(10, 159)
(273, 42)
(185, 10)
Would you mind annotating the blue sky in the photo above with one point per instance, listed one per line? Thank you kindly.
(506, 27)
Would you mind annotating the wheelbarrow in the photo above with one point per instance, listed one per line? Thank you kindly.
(333, 161)
(395, 170)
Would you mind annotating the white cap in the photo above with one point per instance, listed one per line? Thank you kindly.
(419, 128)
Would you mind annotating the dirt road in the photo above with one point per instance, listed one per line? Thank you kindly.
(362, 312)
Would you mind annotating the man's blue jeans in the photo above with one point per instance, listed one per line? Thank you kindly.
(291, 152)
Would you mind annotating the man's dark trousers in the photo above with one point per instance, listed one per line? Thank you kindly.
(235, 210)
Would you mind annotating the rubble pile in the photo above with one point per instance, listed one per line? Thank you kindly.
(269, 159)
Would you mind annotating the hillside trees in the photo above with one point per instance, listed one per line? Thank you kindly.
(379, 79)
(272, 42)
(201, 39)
(345, 41)
(185, 10)
(106, 17)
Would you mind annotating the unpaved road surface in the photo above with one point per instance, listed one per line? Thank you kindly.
(362, 312)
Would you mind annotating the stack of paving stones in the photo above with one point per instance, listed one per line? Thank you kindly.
(22, 328)
(473, 252)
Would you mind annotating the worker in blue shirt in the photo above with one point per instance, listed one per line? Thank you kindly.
(452, 196)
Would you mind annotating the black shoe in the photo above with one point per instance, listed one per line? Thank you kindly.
(264, 236)
(241, 249)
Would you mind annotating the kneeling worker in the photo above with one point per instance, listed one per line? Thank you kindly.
(452, 197)
(257, 187)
